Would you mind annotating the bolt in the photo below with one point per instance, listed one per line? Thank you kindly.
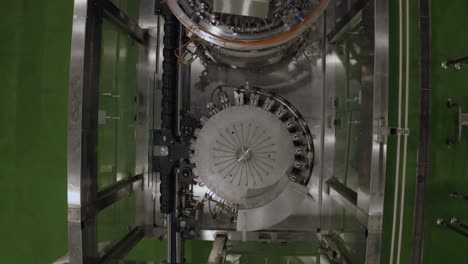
(454, 220)
(440, 221)
(444, 65)
(450, 103)
(186, 173)
(450, 143)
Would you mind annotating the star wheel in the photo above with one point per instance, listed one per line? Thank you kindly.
(252, 148)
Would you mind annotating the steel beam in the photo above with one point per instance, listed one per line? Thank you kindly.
(218, 252)
(371, 192)
(352, 18)
(147, 82)
(84, 200)
(335, 249)
(83, 132)
(343, 190)
(120, 249)
(347, 199)
(118, 191)
(124, 22)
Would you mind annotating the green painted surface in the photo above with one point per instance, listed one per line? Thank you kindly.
(116, 147)
(117, 90)
(149, 250)
(392, 142)
(448, 167)
(34, 52)
(196, 252)
(409, 184)
(34, 64)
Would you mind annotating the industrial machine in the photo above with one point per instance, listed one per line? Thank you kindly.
(239, 117)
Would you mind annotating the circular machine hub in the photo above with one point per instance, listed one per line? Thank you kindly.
(259, 32)
(257, 154)
(242, 153)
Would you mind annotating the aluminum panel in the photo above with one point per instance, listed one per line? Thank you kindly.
(251, 8)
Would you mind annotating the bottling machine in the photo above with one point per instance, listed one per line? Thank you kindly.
(254, 121)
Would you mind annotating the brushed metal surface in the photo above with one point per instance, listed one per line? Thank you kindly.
(251, 8)
(274, 212)
(243, 153)
(300, 82)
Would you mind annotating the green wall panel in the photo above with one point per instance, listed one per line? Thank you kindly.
(34, 61)
(448, 167)
(34, 69)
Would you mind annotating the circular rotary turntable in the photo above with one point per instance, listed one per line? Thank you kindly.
(247, 153)
(257, 25)
(249, 33)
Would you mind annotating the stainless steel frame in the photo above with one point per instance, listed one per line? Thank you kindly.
(82, 133)
(223, 39)
(375, 190)
(84, 200)
(307, 84)
(367, 205)
(147, 69)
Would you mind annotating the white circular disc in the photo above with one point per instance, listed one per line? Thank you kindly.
(244, 154)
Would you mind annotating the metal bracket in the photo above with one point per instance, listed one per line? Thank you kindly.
(218, 252)
(171, 159)
(456, 63)
(458, 196)
(188, 125)
(454, 225)
(116, 16)
(462, 121)
(168, 150)
(393, 131)
(334, 249)
(397, 131)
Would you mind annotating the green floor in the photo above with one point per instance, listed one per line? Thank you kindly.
(412, 145)
(34, 58)
(196, 252)
(448, 170)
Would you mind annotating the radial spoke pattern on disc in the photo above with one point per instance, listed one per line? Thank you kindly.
(244, 154)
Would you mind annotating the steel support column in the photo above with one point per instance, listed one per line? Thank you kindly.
(84, 200)
(376, 65)
(112, 13)
(83, 132)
